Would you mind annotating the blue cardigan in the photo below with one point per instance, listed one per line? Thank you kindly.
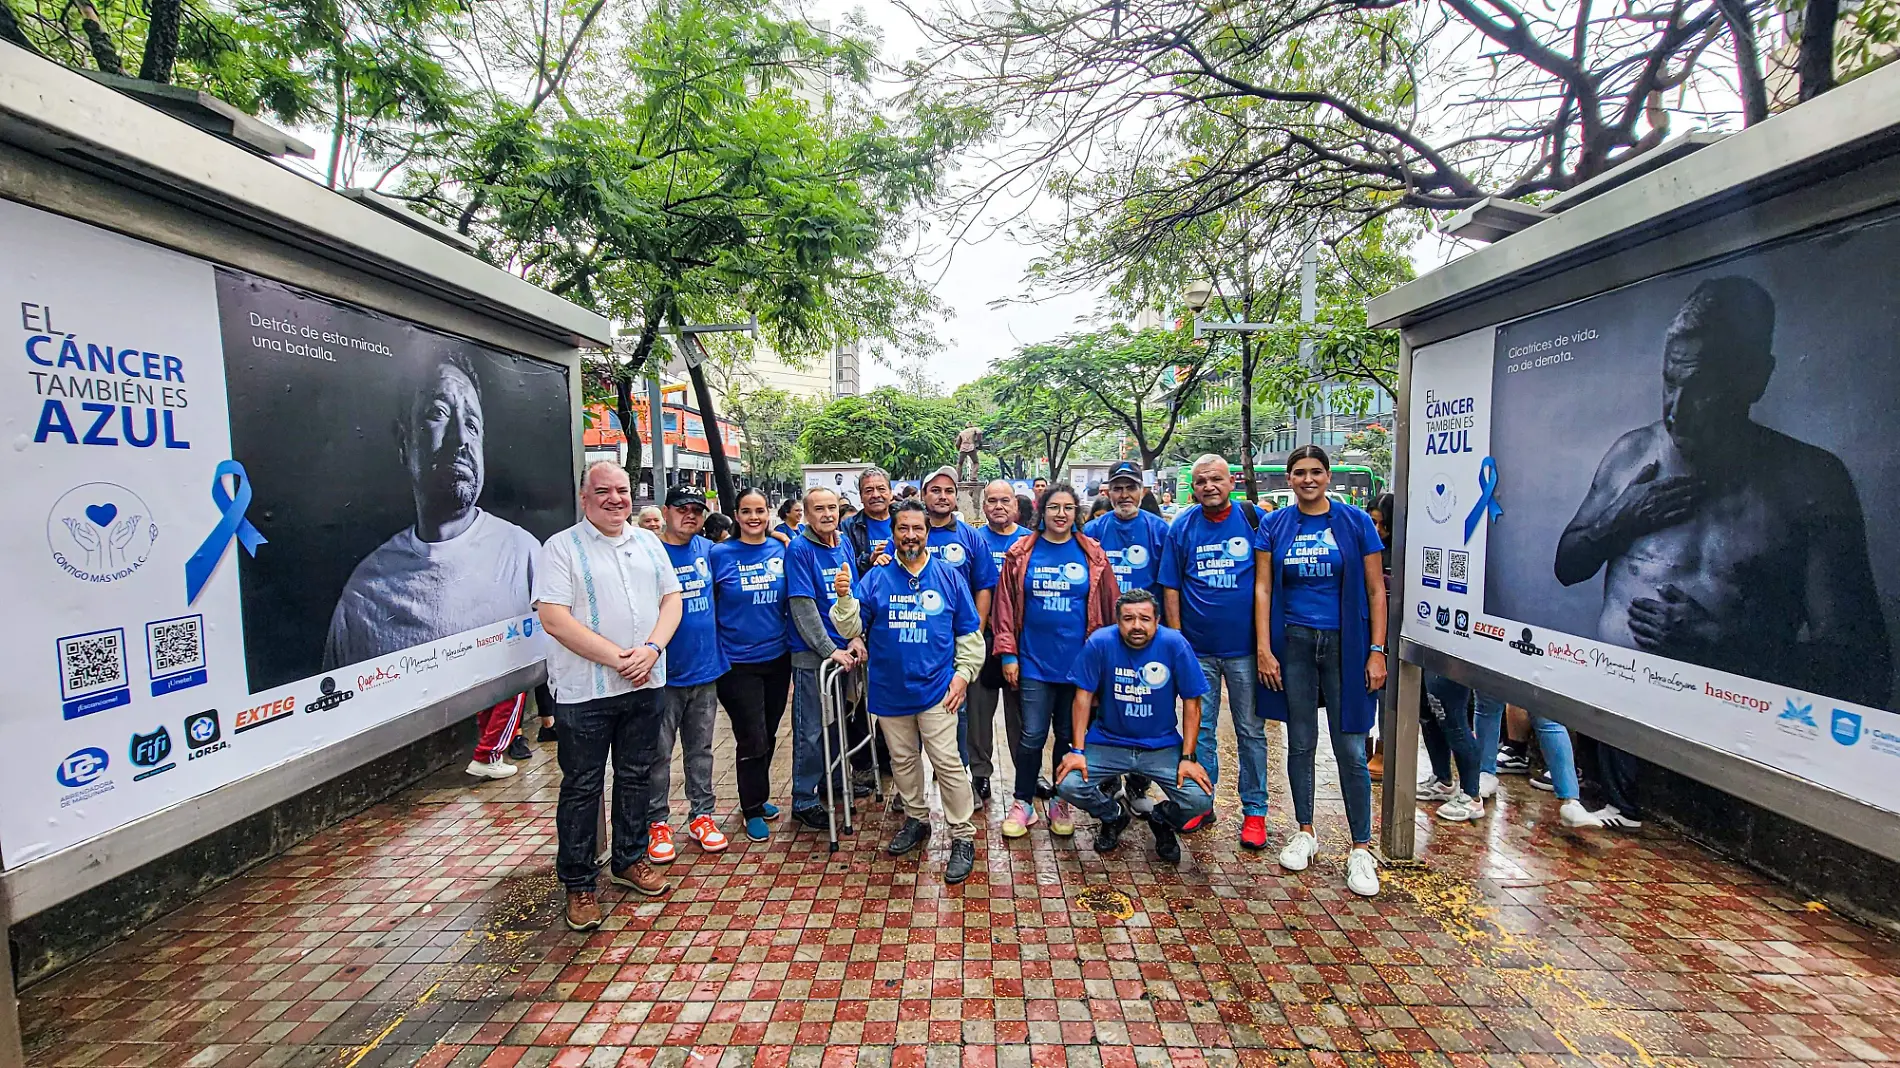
(1358, 539)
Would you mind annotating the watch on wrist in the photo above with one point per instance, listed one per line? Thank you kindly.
(1188, 758)
(1380, 649)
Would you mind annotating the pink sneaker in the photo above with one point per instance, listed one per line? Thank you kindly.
(1061, 818)
(1022, 816)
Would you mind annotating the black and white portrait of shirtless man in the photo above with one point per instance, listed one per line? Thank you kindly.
(1723, 542)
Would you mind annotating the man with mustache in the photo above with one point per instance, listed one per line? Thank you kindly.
(458, 567)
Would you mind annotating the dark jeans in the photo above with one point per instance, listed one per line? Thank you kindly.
(1611, 776)
(627, 728)
(754, 696)
(1448, 704)
(1048, 707)
(1311, 670)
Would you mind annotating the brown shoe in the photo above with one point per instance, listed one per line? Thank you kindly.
(583, 910)
(640, 876)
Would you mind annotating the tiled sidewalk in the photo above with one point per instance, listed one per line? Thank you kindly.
(427, 931)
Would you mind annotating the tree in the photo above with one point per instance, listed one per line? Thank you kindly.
(772, 421)
(1144, 381)
(1036, 415)
(906, 435)
(1376, 442)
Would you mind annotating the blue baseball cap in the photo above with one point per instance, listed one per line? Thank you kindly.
(1127, 469)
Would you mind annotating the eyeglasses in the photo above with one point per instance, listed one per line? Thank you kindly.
(1059, 508)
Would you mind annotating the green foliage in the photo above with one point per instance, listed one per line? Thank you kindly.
(1031, 416)
(906, 435)
(1143, 382)
(772, 422)
(1376, 442)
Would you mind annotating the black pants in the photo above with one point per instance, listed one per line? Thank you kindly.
(754, 696)
(627, 728)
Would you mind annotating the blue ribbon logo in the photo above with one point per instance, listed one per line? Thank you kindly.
(231, 524)
(1487, 498)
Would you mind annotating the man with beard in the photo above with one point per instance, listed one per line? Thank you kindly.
(1725, 543)
(457, 567)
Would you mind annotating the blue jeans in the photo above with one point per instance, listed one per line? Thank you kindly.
(1489, 726)
(1311, 668)
(625, 728)
(1162, 765)
(1554, 739)
(1046, 706)
(1236, 674)
(1448, 703)
(808, 752)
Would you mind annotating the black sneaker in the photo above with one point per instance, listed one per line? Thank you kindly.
(1513, 760)
(981, 784)
(962, 862)
(547, 734)
(518, 749)
(1109, 834)
(1167, 846)
(913, 833)
(1044, 790)
(816, 818)
(1539, 781)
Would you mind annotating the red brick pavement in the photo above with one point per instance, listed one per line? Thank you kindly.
(426, 932)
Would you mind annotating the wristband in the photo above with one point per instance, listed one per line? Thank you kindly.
(1380, 649)
(1077, 750)
(653, 647)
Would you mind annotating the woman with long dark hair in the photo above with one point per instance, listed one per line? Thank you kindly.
(1319, 617)
(749, 598)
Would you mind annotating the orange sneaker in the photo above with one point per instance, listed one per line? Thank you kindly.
(660, 844)
(704, 831)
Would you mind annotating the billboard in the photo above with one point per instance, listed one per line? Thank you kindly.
(1666, 501)
(248, 522)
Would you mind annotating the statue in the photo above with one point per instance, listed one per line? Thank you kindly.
(969, 440)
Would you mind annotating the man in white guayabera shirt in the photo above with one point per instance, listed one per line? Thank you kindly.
(457, 567)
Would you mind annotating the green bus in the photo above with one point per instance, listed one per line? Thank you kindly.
(1356, 482)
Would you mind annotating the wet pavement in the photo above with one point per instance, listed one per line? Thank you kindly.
(427, 931)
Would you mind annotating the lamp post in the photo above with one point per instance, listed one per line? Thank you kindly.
(693, 351)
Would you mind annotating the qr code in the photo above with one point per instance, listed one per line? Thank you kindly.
(92, 662)
(175, 645)
(1460, 566)
(1434, 562)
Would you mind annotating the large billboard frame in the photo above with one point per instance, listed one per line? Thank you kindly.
(76, 149)
(1832, 159)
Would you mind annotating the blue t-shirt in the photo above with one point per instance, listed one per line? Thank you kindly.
(1055, 606)
(879, 530)
(963, 548)
(809, 571)
(1134, 547)
(1211, 564)
(1310, 574)
(1000, 543)
(749, 590)
(911, 629)
(693, 657)
(1136, 688)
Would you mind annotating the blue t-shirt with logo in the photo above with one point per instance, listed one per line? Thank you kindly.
(963, 548)
(1310, 574)
(810, 569)
(1134, 547)
(879, 530)
(911, 626)
(693, 657)
(749, 594)
(1000, 543)
(1055, 607)
(1136, 688)
(1211, 564)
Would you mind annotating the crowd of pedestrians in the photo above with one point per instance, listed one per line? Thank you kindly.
(1111, 639)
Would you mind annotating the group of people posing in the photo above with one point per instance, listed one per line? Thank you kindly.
(1121, 640)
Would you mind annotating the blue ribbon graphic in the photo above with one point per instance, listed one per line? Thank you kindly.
(231, 524)
(1487, 498)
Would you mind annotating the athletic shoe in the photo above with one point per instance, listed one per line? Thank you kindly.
(706, 832)
(583, 910)
(1045, 790)
(1022, 816)
(1433, 790)
(1142, 805)
(757, 829)
(1061, 818)
(483, 770)
(660, 844)
(1167, 845)
(981, 784)
(1299, 851)
(1253, 832)
(1199, 823)
(1513, 760)
(771, 810)
(547, 734)
(962, 862)
(1541, 781)
(814, 817)
(1109, 834)
(1487, 785)
(1461, 808)
(1362, 872)
(1611, 816)
(1573, 814)
(519, 749)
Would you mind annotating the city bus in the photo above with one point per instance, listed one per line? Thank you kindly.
(1355, 482)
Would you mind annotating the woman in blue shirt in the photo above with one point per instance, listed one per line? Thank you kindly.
(1319, 613)
(749, 600)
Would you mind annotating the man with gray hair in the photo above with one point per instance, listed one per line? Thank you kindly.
(813, 562)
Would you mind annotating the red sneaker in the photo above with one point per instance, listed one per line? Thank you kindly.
(1253, 832)
(660, 844)
(1199, 823)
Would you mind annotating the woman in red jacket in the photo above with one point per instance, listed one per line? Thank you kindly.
(1056, 589)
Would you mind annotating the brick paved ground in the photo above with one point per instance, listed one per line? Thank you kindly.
(426, 931)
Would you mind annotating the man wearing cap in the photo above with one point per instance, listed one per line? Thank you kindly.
(958, 544)
(694, 664)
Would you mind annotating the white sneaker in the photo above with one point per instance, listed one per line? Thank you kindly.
(1573, 814)
(1433, 790)
(1143, 805)
(1611, 816)
(1487, 785)
(1461, 808)
(497, 770)
(1299, 851)
(1362, 873)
